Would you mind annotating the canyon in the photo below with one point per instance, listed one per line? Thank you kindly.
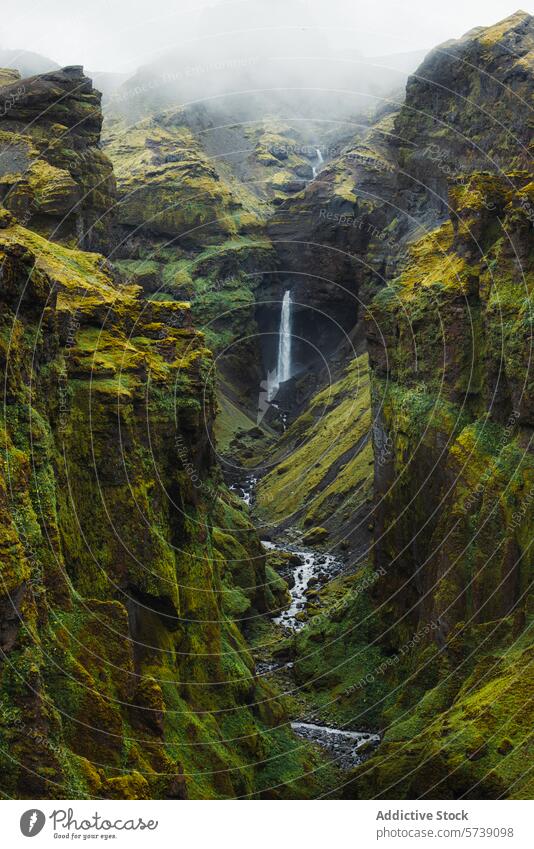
(267, 467)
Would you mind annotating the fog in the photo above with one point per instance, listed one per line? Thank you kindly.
(122, 35)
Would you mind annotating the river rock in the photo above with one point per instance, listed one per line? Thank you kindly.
(315, 535)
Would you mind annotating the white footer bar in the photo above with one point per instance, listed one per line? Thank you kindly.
(268, 824)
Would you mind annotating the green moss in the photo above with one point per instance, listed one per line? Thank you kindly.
(468, 737)
(95, 529)
(148, 187)
(455, 478)
(328, 454)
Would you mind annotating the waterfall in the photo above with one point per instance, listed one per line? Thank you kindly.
(283, 365)
(284, 340)
(319, 162)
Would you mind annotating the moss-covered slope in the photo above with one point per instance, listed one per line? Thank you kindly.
(127, 568)
(122, 557)
(321, 472)
(454, 474)
(433, 646)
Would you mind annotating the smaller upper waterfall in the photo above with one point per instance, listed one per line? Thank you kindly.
(318, 162)
(283, 364)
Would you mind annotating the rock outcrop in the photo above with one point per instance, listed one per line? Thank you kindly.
(467, 108)
(53, 174)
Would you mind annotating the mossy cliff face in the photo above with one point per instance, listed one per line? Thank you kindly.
(449, 345)
(344, 235)
(219, 281)
(338, 239)
(468, 105)
(467, 109)
(259, 153)
(122, 557)
(194, 193)
(127, 568)
(53, 174)
(182, 175)
(168, 185)
(431, 644)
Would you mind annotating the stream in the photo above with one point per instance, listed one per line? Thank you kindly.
(312, 568)
(245, 490)
(347, 747)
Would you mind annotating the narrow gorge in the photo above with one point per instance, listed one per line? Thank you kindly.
(267, 481)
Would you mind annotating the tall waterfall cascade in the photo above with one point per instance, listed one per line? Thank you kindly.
(319, 161)
(284, 340)
(283, 364)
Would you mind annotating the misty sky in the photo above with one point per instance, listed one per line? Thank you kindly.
(121, 35)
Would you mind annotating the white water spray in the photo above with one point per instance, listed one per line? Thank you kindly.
(318, 163)
(283, 366)
(284, 340)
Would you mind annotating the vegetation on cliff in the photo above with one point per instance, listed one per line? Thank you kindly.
(136, 600)
(127, 566)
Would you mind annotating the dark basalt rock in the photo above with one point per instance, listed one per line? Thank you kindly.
(54, 174)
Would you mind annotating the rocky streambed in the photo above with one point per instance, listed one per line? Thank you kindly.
(309, 569)
(347, 747)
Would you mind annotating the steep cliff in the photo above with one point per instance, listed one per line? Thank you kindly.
(467, 108)
(130, 573)
(450, 351)
(127, 566)
(431, 643)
